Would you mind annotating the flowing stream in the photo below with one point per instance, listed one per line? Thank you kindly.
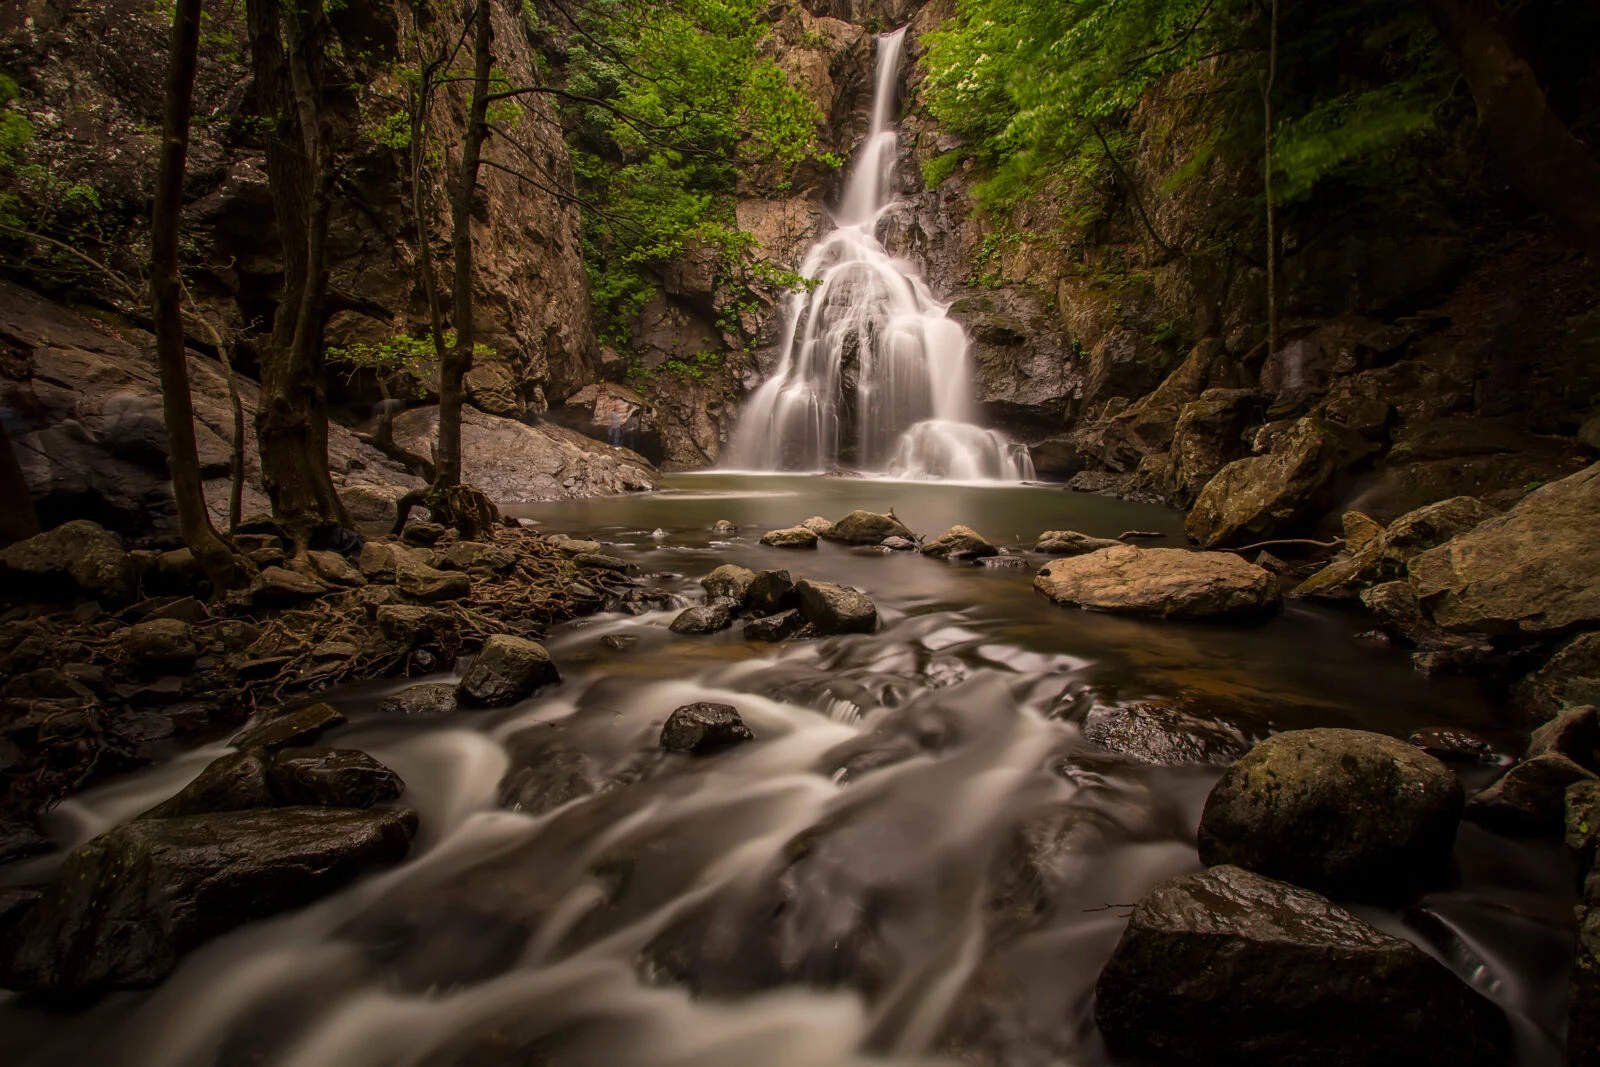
(873, 374)
(920, 859)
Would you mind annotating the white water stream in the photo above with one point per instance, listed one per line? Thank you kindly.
(874, 374)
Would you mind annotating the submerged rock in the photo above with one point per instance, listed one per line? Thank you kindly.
(833, 609)
(704, 728)
(702, 619)
(506, 670)
(729, 580)
(959, 542)
(430, 698)
(866, 528)
(793, 537)
(1357, 815)
(779, 627)
(1071, 543)
(286, 728)
(1155, 733)
(1227, 966)
(1170, 583)
(128, 905)
(1530, 800)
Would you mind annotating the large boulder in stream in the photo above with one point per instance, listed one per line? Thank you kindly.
(866, 528)
(833, 609)
(1168, 583)
(126, 907)
(959, 542)
(506, 670)
(1227, 966)
(1357, 815)
(1531, 571)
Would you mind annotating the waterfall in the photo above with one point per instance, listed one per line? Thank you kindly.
(874, 375)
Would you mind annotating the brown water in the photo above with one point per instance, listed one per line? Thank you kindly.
(817, 897)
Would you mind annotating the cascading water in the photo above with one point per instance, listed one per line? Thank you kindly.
(873, 372)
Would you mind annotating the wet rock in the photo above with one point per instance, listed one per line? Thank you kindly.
(1155, 733)
(128, 905)
(959, 542)
(1583, 826)
(704, 728)
(546, 771)
(1169, 583)
(1453, 744)
(866, 528)
(285, 729)
(431, 586)
(724, 527)
(1570, 676)
(1394, 606)
(817, 525)
(1071, 543)
(729, 580)
(1575, 734)
(424, 534)
(793, 537)
(334, 569)
(569, 546)
(779, 627)
(1357, 815)
(505, 671)
(770, 592)
(1267, 496)
(430, 698)
(897, 544)
(332, 778)
(619, 642)
(1208, 436)
(19, 840)
(1530, 800)
(158, 644)
(235, 782)
(76, 558)
(1227, 966)
(1529, 571)
(833, 609)
(278, 587)
(703, 619)
(411, 626)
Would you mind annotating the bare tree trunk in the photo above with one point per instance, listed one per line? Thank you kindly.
(1557, 172)
(18, 519)
(288, 56)
(236, 453)
(1266, 181)
(222, 565)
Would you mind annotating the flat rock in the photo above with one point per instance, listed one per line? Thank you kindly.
(1530, 800)
(332, 778)
(779, 627)
(422, 533)
(506, 670)
(959, 542)
(1530, 571)
(1357, 815)
(430, 585)
(729, 580)
(702, 619)
(704, 728)
(284, 729)
(1071, 543)
(235, 782)
(127, 906)
(429, 698)
(334, 569)
(1227, 966)
(866, 528)
(279, 587)
(1168, 583)
(792, 537)
(833, 609)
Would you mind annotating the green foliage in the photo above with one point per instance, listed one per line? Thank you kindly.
(43, 213)
(399, 357)
(937, 169)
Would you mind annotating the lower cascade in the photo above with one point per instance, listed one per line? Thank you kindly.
(873, 374)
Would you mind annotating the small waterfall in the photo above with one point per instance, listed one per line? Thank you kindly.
(874, 375)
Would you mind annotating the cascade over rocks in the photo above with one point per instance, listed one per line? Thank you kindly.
(1229, 966)
(1357, 815)
(1168, 583)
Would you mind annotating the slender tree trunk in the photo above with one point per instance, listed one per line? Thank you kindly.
(236, 453)
(1266, 181)
(18, 519)
(1557, 172)
(421, 105)
(288, 56)
(458, 360)
(221, 564)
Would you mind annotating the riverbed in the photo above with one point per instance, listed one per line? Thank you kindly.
(920, 859)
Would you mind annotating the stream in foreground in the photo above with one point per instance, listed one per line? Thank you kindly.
(921, 858)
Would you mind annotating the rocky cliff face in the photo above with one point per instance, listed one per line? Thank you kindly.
(91, 73)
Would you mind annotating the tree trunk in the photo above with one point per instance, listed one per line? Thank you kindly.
(288, 57)
(1266, 182)
(458, 360)
(1557, 172)
(18, 519)
(221, 564)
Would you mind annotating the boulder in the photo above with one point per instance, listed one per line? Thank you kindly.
(477, 557)
(431, 586)
(1385, 555)
(779, 627)
(1530, 800)
(506, 670)
(235, 782)
(77, 558)
(1530, 571)
(897, 544)
(424, 534)
(410, 625)
(159, 644)
(702, 619)
(278, 587)
(817, 525)
(1571, 676)
(1209, 435)
(1071, 543)
(704, 728)
(288, 728)
(1167, 736)
(1168, 583)
(1227, 966)
(1357, 815)
(128, 905)
(729, 580)
(866, 528)
(430, 698)
(1057, 457)
(770, 592)
(724, 527)
(334, 569)
(833, 609)
(1450, 743)
(959, 542)
(793, 537)
(332, 778)
(1575, 734)
(1261, 497)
